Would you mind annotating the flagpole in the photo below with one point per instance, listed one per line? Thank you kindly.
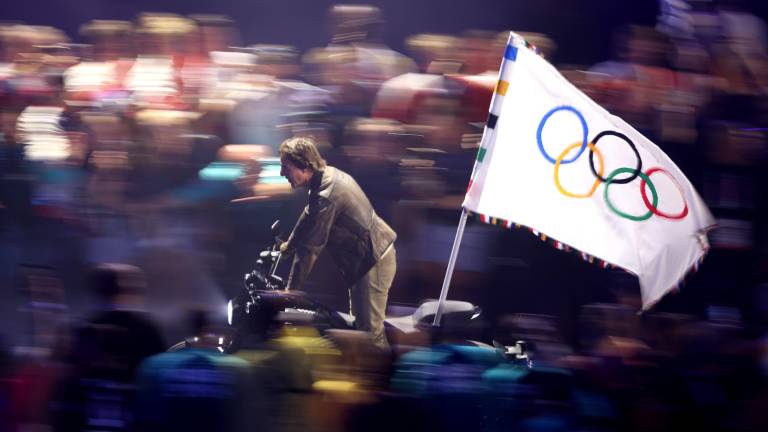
(451, 265)
(488, 133)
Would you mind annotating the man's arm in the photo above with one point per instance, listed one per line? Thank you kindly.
(308, 239)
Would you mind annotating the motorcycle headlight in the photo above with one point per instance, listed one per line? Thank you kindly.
(230, 311)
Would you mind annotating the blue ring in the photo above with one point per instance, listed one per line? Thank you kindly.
(583, 127)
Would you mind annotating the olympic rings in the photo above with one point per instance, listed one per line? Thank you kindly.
(648, 215)
(637, 170)
(584, 128)
(652, 207)
(585, 143)
(559, 160)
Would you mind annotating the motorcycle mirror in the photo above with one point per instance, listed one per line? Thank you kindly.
(275, 228)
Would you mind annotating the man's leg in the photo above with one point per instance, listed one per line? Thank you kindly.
(368, 297)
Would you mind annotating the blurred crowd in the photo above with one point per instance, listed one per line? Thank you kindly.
(140, 159)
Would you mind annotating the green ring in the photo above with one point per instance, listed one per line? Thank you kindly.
(655, 197)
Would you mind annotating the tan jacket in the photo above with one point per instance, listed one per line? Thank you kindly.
(338, 217)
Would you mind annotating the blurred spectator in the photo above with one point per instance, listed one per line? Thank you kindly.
(356, 62)
(201, 74)
(162, 42)
(216, 33)
(34, 72)
(197, 388)
(110, 39)
(676, 18)
(403, 97)
(733, 148)
(53, 155)
(441, 119)
(170, 152)
(16, 181)
(119, 293)
(38, 359)
(98, 81)
(372, 152)
(266, 108)
(105, 352)
(46, 308)
(744, 31)
(480, 52)
(428, 48)
(642, 72)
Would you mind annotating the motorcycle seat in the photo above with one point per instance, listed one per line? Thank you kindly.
(424, 315)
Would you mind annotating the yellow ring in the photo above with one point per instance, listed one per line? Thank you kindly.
(560, 158)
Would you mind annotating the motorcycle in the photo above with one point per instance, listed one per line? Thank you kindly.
(265, 306)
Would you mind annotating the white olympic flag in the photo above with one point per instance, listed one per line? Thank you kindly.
(553, 160)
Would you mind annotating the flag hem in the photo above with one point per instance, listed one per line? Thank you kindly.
(490, 220)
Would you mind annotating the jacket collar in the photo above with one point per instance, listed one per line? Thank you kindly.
(316, 183)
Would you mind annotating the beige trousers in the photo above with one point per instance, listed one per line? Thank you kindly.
(368, 297)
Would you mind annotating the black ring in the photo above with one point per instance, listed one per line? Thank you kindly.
(635, 173)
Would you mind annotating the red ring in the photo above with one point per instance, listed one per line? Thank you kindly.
(650, 206)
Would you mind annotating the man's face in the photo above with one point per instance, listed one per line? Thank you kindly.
(297, 177)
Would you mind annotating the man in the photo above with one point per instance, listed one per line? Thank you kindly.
(340, 217)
